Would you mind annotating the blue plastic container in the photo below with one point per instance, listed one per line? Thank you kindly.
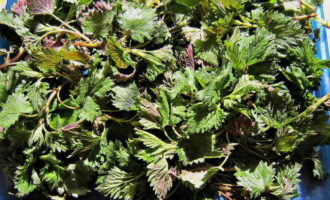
(310, 189)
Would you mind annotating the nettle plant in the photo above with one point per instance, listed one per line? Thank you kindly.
(166, 99)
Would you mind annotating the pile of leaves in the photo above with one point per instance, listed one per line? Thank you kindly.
(166, 99)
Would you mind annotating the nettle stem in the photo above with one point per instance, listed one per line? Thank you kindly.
(310, 109)
(63, 31)
(70, 27)
(11, 62)
(310, 7)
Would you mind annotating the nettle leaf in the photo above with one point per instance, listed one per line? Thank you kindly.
(184, 82)
(297, 76)
(41, 7)
(18, 24)
(37, 95)
(140, 22)
(153, 142)
(48, 59)
(60, 120)
(159, 178)
(318, 169)
(196, 148)
(92, 86)
(26, 178)
(212, 92)
(118, 54)
(157, 149)
(256, 180)
(90, 110)
(276, 110)
(244, 86)
(157, 60)
(126, 97)
(204, 118)
(197, 179)
(164, 109)
(248, 51)
(98, 23)
(193, 34)
(287, 182)
(287, 139)
(287, 31)
(207, 50)
(119, 184)
(15, 105)
(37, 136)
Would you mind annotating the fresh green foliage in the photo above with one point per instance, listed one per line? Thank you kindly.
(257, 180)
(139, 21)
(15, 105)
(160, 99)
(119, 184)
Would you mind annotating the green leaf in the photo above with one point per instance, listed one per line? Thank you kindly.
(256, 180)
(37, 95)
(244, 86)
(119, 184)
(59, 120)
(318, 170)
(118, 54)
(48, 59)
(24, 182)
(164, 109)
(126, 97)
(287, 139)
(193, 34)
(90, 110)
(148, 124)
(153, 142)
(78, 178)
(287, 32)
(297, 76)
(197, 147)
(207, 50)
(212, 92)
(203, 118)
(157, 148)
(37, 136)
(18, 24)
(157, 60)
(159, 178)
(98, 23)
(139, 21)
(15, 105)
(197, 179)
(248, 51)
(92, 86)
(184, 82)
(287, 182)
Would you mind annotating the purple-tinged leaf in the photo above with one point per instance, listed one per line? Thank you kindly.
(41, 7)
(70, 127)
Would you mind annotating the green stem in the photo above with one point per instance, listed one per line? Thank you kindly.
(61, 31)
(227, 157)
(310, 109)
(176, 132)
(70, 27)
(168, 137)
